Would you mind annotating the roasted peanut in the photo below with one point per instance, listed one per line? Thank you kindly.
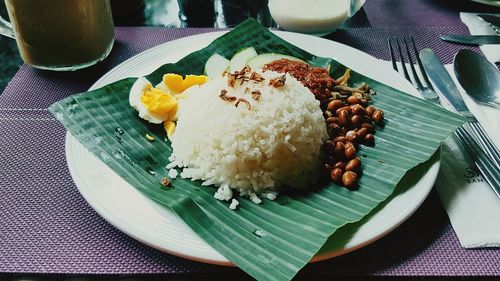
(357, 109)
(368, 126)
(336, 175)
(350, 121)
(351, 136)
(339, 150)
(356, 121)
(361, 133)
(346, 108)
(329, 147)
(369, 139)
(350, 179)
(369, 110)
(334, 105)
(349, 151)
(353, 164)
(340, 139)
(332, 119)
(332, 129)
(378, 116)
(353, 100)
(343, 116)
(340, 165)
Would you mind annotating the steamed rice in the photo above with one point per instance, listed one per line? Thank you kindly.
(272, 145)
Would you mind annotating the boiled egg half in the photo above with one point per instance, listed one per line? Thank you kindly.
(177, 84)
(153, 104)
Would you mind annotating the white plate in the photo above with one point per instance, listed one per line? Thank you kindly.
(144, 220)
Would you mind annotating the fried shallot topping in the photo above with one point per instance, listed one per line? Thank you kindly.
(256, 77)
(224, 97)
(256, 95)
(231, 80)
(243, 100)
(278, 81)
(244, 75)
(237, 75)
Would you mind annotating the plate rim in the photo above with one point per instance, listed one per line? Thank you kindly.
(432, 173)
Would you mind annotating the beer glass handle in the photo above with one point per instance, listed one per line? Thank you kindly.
(6, 28)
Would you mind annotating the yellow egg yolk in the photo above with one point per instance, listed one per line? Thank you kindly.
(177, 84)
(169, 127)
(159, 103)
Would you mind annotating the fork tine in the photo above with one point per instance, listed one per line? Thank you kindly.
(419, 63)
(412, 67)
(393, 59)
(405, 71)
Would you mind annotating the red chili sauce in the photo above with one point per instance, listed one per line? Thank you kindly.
(316, 79)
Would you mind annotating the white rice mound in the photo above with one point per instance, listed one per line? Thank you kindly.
(274, 145)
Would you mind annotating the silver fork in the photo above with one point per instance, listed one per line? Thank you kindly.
(485, 165)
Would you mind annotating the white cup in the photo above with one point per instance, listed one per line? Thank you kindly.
(317, 17)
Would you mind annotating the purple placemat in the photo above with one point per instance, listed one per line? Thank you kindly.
(422, 13)
(47, 227)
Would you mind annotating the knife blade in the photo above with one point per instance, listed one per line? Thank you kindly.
(472, 39)
(493, 21)
(445, 85)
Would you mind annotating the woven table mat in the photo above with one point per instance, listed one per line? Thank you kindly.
(423, 13)
(47, 227)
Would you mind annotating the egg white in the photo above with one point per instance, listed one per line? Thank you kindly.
(135, 101)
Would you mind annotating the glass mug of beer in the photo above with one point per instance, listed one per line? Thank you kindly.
(61, 35)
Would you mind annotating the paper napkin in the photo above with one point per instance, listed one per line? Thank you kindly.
(479, 27)
(473, 208)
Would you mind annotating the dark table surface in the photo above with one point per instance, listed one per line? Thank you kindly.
(374, 14)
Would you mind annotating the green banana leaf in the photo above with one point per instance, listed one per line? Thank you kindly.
(275, 239)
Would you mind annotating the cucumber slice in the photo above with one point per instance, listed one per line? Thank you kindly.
(239, 60)
(261, 60)
(215, 65)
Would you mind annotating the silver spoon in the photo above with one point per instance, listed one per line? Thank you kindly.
(479, 78)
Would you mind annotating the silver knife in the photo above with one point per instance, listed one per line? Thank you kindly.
(472, 39)
(492, 21)
(444, 84)
(446, 87)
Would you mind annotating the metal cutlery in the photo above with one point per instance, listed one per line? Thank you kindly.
(447, 88)
(472, 39)
(492, 21)
(485, 165)
(479, 78)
